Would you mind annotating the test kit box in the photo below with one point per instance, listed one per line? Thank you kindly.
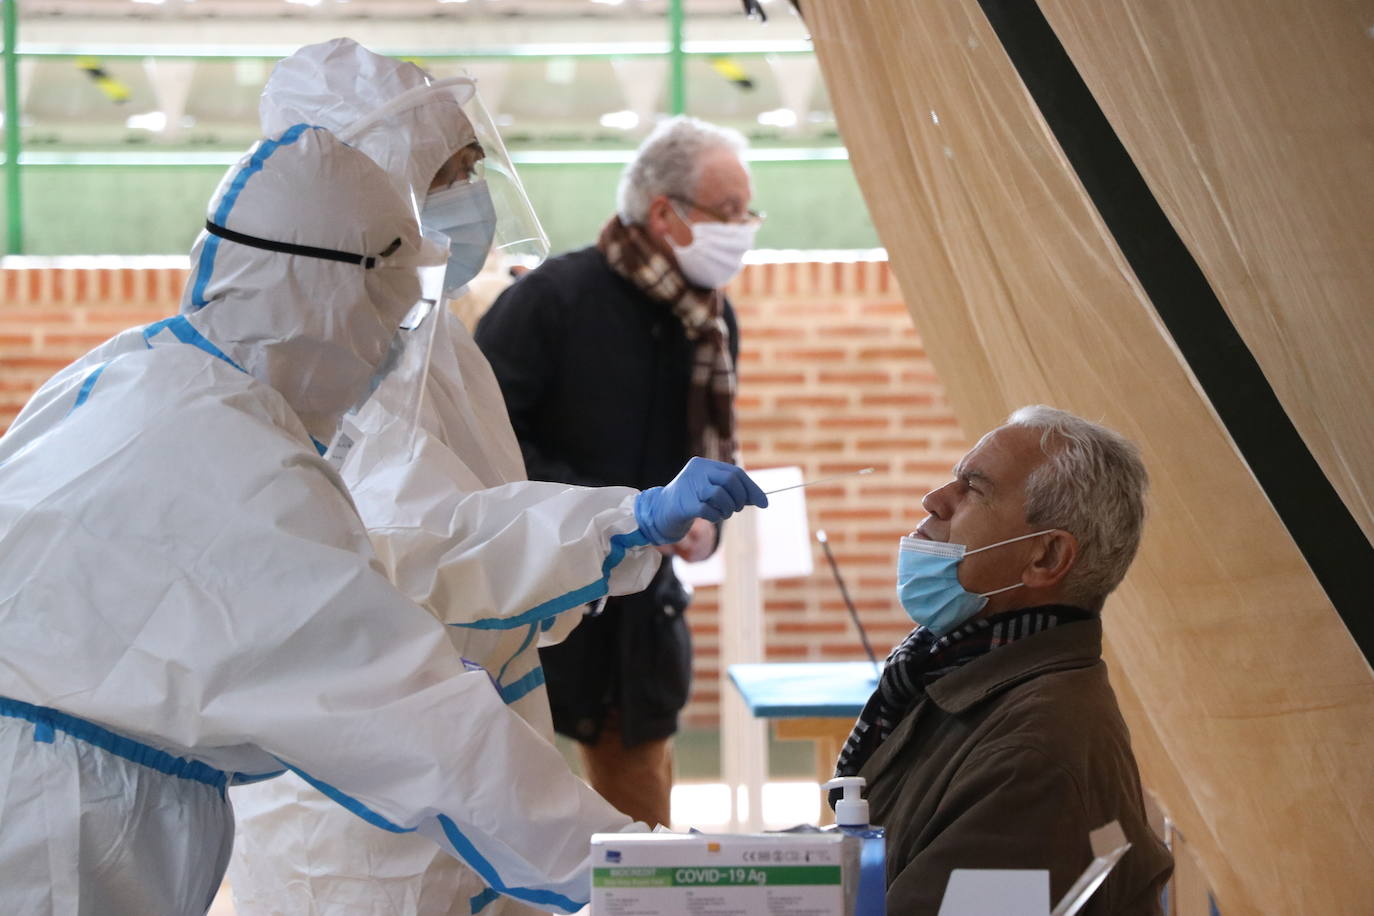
(666, 874)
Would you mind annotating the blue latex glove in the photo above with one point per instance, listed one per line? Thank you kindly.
(707, 489)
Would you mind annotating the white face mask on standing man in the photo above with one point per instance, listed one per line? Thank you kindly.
(716, 253)
(716, 214)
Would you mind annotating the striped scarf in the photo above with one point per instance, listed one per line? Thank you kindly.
(711, 393)
(921, 659)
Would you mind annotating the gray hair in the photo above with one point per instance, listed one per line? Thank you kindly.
(669, 162)
(1093, 486)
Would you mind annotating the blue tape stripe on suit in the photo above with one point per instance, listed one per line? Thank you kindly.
(47, 720)
(516, 691)
(479, 903)
(184, 331)
(525, 644)
(488, 874)
(348, 802)
(205, 266)
(620, 543)
(87, 385)
(461, 844)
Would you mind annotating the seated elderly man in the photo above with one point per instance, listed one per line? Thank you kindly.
(994, 739)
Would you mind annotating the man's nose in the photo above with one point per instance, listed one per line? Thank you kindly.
(936, 502)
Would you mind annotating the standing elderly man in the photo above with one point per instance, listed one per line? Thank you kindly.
(994, 739)
(617, 361)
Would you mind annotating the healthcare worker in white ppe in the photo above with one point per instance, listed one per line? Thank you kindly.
(507, 563)
(189, 599)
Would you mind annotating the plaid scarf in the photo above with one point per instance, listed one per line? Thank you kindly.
(921, 659)
(711, 394)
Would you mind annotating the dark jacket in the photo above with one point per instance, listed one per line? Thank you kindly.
(595, 377)
(1009, 762)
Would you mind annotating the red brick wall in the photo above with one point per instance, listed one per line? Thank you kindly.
(833, 377)
(50, 316)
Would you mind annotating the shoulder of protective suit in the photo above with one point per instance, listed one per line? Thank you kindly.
(178, 388)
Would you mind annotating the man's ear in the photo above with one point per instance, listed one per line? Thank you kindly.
(659, 219)
(1054, 555)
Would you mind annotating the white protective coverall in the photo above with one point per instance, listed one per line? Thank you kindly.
(507, 568)
(188, 598)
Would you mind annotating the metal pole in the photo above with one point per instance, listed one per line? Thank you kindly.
(677, 76)
(14, 204)
(743, 738)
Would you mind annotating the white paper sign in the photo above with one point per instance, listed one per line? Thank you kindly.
(1026, 892)
(997, 892)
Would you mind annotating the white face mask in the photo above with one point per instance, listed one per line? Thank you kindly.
(716, 252)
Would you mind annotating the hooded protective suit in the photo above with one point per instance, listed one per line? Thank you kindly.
(188, 599)
(506, 563)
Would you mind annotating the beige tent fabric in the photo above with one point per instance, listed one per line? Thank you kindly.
(1251, 708)
(1253, 123)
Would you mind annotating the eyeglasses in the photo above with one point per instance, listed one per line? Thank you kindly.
(749, 218)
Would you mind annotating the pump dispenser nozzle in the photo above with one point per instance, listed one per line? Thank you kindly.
(852, 809)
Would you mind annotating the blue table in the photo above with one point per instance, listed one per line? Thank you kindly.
(813, 701)
(796, 690)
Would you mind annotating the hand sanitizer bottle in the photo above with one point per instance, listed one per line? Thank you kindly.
(851, 817)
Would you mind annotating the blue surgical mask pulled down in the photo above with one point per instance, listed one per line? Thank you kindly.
(466, 215)
(928, 582)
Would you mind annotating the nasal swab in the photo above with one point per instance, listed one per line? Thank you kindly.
(822, 480)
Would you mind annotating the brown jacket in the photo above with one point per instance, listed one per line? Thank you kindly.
(1009, 762)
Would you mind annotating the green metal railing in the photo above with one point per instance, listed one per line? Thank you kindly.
(677, 71)
(169, 158)
(14, 204)
(593, 51)
(676, 48)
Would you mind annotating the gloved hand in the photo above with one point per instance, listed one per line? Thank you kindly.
(707, 489)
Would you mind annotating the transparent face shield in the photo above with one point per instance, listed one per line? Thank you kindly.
(390, 409)
(518, 236)
(476, 197)
(473, 204)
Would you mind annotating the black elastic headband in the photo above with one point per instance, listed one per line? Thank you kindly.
(368, 261)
